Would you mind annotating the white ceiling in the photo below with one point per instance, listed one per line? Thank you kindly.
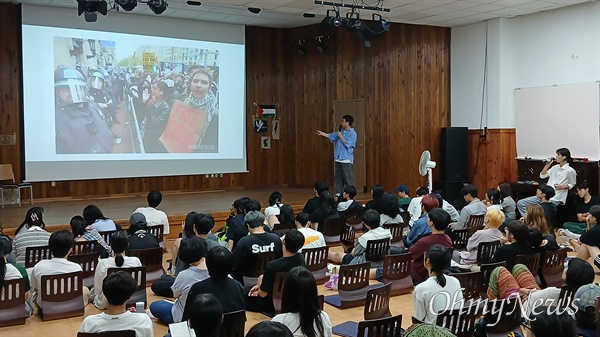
(288, 13)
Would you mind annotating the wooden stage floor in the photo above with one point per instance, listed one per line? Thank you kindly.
(120, 208)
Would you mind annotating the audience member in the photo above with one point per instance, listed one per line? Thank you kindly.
(403, 198)
(508, 203)
(315, 202)
(31, 233)
(61, 244)
(119, 244)
(494, 218)
(83, 232)
(154, 216)
(300, 306)
(228, 291)
(348, 203)
(260, 296)
(582, 208)
(195, 224)
(285, 219)
(237, 228)
(312, 237)
(118, 288)
(446, 206)
(93, 217)
(269, 329)
(192, 251)
(438, 221)
(414, 208)
(376, 193)
(534, 218)
(420, 227)
(474, 206)
(427, 297)
(585, 300)
(545, 193)
(139, 238)
(588, 244)
(327, 210)
(10, 272)
(549, 322)
(257, 242)
(493, 199)
(389, 210)
(518, 242)
(274, 204)
(207, 316)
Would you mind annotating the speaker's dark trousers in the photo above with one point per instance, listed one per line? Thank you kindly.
(344, 176)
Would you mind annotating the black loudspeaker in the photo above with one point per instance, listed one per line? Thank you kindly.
(454, 152)
(450, 191)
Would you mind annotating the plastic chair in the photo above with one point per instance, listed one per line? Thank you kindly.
(234, 324)
(396, 229)
(254, 265)
(475, 221)
(106, 236)
(471, 283)
(12, 303)
(486, 250)
(354, 218)
(460, 322)
(36, 254)
(531, 261)
(376, 250)
(503, 316)
(158, 232)
(151, 258)
(332, 229)
(139, 275)
(396, 270)
(382, 327)
(316, 262)
(86, 247)
(353, 284)
(377, 305)
(486, 269)
(6, 173)
(553, 265)
(61, 296)
(460, 238)
(88, 263)
(278, 285)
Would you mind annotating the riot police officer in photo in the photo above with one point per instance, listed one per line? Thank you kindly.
(80, 125)
(102, 97)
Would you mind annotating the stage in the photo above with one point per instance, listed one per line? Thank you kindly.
(176, 205)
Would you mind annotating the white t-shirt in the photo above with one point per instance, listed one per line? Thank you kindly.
(155, 217)
(430, 298)
(272, 210)
(101, 270)
(292, 321)
(141, 323)
(312, 238)
(12, 273)
(414, 209)
(102, 225)
(54, 266)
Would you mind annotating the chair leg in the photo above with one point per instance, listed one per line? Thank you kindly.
(19, 196)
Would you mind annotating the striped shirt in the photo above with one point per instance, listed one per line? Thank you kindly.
(32, 237)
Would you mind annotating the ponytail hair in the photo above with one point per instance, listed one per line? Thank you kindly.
(33, 217)
(439, 259)
(119, 243)
(275, 199)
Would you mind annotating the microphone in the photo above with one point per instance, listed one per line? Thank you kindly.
(340, 130)
(551, 159)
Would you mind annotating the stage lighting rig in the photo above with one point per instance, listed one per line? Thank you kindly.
(157, 6)
(352, 21)
(332, 21)
(91, 8)
(127, 5)
(379, 26)
(353, 5)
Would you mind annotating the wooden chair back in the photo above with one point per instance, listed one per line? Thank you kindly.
(396, 229)
(471, 283)
(396, 270)
(382, 327)
(486, 270)
(6, 173)
(566, 296)
(86, 247)
(460, 238)
(348, 237)
(405, 216)
(353, 284)
(234, 324)
(553, 265)
(486, 250)
(254, 265)
(377, 304)
(36, 254)
(139, 275)
(159, 232)
(12, 303)
(152, 259)
(332, 229)
(460, 322)
(106, 236)
(475, 221)
(531, 261)
(88, 263)
(354, 218)
(121, 333)
(503, 316)
(376, 250)
(278, 290)
(316, 261)
(61, 296)
(282, 230)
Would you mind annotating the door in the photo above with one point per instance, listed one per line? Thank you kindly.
(357, 109)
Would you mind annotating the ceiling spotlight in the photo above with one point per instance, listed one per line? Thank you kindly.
(320, 45)
(379, 26)
(127, 5)
(352, 21)
(332, 21)
(254, 10)
(194, 3)
(301, 50)
(157, 6)
(91, 8)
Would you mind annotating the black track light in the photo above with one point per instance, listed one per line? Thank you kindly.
(127, 5)
(333, 21)
(157, 6)
(352, 21)
(379, 26)
(90, 9)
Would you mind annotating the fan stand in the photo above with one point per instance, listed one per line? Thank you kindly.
(430, 179)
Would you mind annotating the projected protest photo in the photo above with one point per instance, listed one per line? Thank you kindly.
(124, 98)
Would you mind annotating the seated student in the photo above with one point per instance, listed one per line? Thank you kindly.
(545, 193)
(195, 224)
(414, 208)
(228, 291)
(93, 217)
(154, 217)
(534, 218)
(61, 244)
(327, 210)
(474, 207)
(260, 296)
(300, 306)
(494, 218)
(269, 329)
(349, 203)
(438, 221)
(585, 317)
(285, 219)
(257, 242)
(192, 251)
(388, 208)
(10, 272)
(506, 284)
(31, 233)
(139, 238)
(236, 228)
(508, 204)
(549, 322)
(315, 202)
(274, 204)
(420, 227)
(312, 237)
(376, 193)
(493, 199)
(518, 242)
(118, 288)
(119, 244)
(375, 232)
(403, 197)
(426, 296)
(446, 206)
(582, 209)
(83, 232)
(588, 244)
(206, 319)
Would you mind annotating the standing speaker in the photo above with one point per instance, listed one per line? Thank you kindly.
(454, 153)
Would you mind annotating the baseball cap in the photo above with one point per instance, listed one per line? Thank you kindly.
(402, 188)
(586, 296)
(137, 219)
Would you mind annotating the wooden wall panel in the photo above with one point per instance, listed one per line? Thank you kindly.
(404, 79)
(492, 161)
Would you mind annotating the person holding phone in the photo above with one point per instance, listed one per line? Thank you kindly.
(345, 142)
(561, 177)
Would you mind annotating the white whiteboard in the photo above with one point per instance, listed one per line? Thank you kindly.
(548, 118)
